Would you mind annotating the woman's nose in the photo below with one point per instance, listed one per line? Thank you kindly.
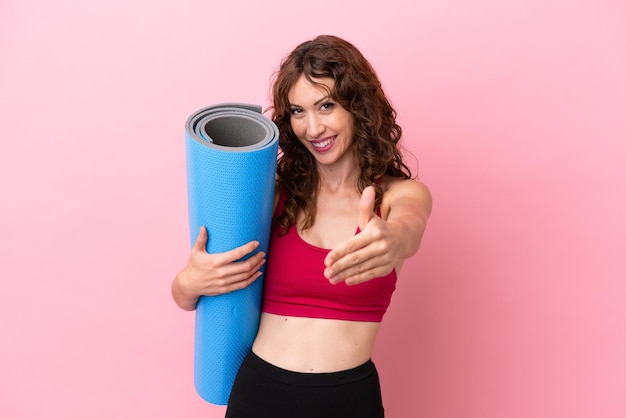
(315, 126)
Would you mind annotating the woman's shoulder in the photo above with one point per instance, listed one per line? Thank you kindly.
(405, 192)
(393, 186)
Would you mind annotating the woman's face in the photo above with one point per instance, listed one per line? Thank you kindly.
(322, 125)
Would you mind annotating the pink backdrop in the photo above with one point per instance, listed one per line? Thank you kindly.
(515, 110)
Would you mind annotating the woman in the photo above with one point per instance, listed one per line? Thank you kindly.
(347, 215)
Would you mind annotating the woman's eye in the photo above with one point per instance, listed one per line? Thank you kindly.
(327, 106)
(295, 110)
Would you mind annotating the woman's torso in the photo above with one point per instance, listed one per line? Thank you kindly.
(314, 345)
(320, 345)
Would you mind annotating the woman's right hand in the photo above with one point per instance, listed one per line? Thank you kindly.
(215, 274)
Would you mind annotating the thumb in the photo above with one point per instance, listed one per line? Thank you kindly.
(201, 240)
(366, 207)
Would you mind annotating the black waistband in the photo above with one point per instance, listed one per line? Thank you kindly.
(256, 363)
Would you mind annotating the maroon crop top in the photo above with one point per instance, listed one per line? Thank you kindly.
(295, 284)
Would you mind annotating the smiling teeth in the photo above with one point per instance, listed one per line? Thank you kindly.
(323, 143)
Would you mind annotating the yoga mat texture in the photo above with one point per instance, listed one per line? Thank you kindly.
(231, 154)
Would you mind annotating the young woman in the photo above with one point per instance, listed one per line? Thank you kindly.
(347, 215)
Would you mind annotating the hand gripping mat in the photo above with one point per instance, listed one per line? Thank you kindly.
(231, 167)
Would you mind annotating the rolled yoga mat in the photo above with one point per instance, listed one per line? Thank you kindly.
(231, 167)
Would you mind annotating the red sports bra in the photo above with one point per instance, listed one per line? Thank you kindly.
(295, 284)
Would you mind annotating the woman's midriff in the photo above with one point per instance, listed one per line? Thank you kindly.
(313, 345)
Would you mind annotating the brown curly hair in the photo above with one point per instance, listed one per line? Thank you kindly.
(358, 90)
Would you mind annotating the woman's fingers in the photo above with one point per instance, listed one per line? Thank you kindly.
(217, 273)
(360, 266)
(235, 254)
(239, 283)
(344, 252)
(362, 248)
(240, 270)
(225, 257)
(201, 240)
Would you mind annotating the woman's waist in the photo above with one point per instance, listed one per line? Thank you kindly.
(314, 345)
(302, 379)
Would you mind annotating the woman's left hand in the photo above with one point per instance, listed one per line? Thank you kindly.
(371, 253)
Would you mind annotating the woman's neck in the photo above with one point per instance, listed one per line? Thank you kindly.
(341, 175)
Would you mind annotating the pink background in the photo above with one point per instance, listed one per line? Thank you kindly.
(515, 109)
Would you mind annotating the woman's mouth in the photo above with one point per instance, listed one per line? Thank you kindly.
(323, 144)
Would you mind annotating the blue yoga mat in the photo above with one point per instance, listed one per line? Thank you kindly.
(231, 167)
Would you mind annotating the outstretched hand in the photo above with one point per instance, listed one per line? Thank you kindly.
(371, 253)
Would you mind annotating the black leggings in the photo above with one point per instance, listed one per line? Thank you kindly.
(262, 390)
